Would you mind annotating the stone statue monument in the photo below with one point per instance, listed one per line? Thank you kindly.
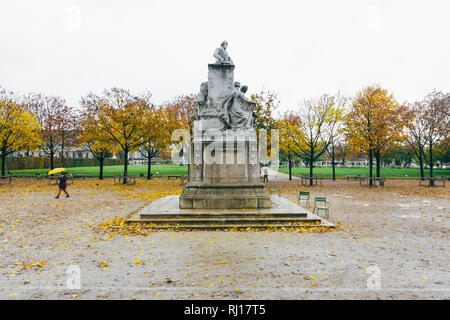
(224, 188)
(239, 110)
(223, 166)
(221, 54)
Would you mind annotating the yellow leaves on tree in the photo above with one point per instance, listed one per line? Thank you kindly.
(96, 140)
(19, 129)
(121, 116)
(376, 121)
(308, 132)
(266, 105)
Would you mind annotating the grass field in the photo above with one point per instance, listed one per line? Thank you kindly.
(111, 171)
(385, 172)
(164, 170)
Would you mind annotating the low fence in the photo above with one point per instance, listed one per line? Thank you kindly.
(23, 163)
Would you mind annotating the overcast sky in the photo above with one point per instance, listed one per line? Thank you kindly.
(298, 49)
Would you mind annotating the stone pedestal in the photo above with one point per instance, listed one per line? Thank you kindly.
(224, 189)
(220, 86)
(223, 167)
(224, 171)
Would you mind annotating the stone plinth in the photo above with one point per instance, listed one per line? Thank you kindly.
(224, 171)
(220, 86)
(223, 164)
(165, 213)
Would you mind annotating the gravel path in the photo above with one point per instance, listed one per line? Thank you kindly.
(393, 243)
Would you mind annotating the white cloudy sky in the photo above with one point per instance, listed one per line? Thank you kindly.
(298, 49)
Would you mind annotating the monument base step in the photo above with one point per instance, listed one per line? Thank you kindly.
(234, 227)
(224, 196)
(165, 213)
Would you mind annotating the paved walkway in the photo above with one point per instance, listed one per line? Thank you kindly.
(280, 176)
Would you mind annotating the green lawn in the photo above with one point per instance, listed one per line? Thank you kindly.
(111, 171)
(164, 170)
(385, 172)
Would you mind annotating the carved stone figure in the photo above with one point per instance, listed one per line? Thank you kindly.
(221, 54)
(237, 86)
(239, 110)
(202, 97)
(224, 170)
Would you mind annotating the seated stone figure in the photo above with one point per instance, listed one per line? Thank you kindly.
(238, 110)
(202, 97)
(221, 54)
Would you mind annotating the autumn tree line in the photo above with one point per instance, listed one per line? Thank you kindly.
(117, 121)
(372, 122)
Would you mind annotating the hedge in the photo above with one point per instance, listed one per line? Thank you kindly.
(22, 163)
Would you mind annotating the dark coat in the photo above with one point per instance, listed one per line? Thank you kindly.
(62, 182)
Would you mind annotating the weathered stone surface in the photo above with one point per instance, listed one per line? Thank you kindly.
(224, 196)
(221, 54)
(165, 213)
(223, 164)
(220, 87)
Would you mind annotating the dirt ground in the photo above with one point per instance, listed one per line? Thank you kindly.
(392, 243)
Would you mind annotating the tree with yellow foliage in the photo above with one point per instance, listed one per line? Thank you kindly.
(122, 116)
(158, 134)
(181, 112)
(96, 141)
(308, 132)
(19, 129)
(376, 121)
(267, 103)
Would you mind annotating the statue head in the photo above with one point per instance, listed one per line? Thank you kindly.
(224, 44)
(237, 85)
(244, 89)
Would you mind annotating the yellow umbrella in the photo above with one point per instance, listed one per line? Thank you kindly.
(57, 170)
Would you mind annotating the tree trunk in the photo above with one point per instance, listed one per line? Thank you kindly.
(311, 170)
(3, 160)
(52, 162)
(290, 166)
(431, 163)
(125, 166)
(101, 168)
(343, 157)
(149, 167)
(63, 160)
(333, 164)
(419, 157)
(378, 160)
(370, 165)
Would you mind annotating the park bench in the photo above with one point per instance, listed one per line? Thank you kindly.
(434, 179)
(80, 176)
(303, 196)
(355, 177)
(315, 180)
(321, 203)
(374, 181)
(5, 179)
(130, 180)
(27, 175)
(273, 189)
(362, 179)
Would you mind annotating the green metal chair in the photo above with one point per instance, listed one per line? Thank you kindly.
(305, 196)
(274, 189)
(321, 203)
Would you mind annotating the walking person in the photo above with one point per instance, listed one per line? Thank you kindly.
(265, 171)
(62, 185)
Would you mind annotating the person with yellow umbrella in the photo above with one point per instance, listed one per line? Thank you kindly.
(62, 181)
